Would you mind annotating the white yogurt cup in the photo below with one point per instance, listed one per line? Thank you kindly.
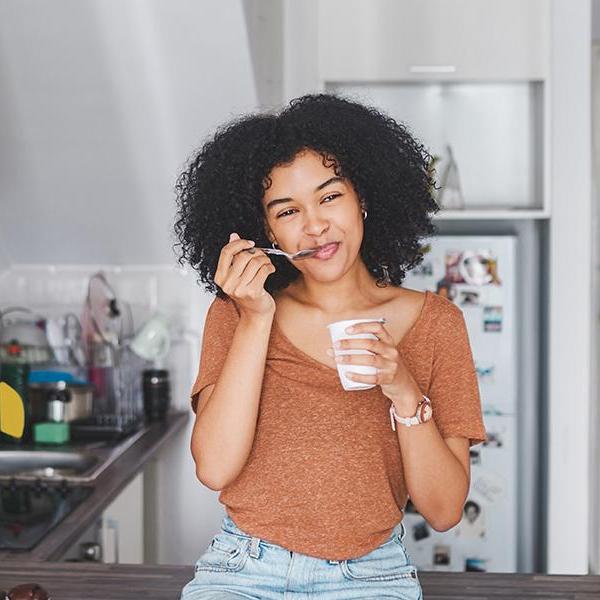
(337, 332)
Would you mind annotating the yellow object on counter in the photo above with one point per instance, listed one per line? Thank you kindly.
(12, 412)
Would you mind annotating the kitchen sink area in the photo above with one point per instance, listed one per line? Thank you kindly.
(76, 463)
(50, 495)
(45, 463)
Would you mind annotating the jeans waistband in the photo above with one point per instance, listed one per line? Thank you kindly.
(229, 526)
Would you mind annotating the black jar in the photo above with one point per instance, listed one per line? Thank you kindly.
(157, 393)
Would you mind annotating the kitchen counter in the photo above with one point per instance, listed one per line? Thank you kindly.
(96, 581)
(105, 488)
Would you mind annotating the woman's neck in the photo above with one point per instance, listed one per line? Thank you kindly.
(356, 290)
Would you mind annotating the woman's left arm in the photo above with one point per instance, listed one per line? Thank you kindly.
(436, 470)
(436, 466)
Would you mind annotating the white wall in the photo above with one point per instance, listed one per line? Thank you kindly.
(595, 394)
(300, 41)
(102, 101)
(570, 302)
(264, 20)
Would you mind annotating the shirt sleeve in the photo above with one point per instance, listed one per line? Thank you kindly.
(221, 321)
(454, 388)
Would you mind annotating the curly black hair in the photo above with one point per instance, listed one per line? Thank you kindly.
(221, 188)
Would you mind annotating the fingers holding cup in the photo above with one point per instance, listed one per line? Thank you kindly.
(361, 342)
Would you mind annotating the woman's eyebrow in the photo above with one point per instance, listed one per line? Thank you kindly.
(272, 203)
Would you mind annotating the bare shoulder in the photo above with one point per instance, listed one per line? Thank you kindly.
(441, 311)
(402, 308)
(409, 301)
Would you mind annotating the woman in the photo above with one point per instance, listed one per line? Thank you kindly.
(314, 478)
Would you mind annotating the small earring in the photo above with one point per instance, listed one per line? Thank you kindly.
(384, 280)
(274, 244)
(364, 212)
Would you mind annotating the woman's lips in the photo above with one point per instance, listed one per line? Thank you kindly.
(327, 251)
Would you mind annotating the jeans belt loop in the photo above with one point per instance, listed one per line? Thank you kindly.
(254, 547)
(403, 533)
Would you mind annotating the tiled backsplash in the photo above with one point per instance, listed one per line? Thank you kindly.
(53, 290)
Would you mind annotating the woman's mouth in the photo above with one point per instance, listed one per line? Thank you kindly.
(326, 251)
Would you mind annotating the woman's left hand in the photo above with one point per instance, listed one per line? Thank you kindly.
(392, 375)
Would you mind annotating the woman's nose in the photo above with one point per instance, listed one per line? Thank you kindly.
(315, 225)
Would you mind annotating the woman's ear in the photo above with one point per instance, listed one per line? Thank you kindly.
(268, 233)
(269, 236)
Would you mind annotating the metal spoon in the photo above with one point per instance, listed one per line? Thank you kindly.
(295, 256)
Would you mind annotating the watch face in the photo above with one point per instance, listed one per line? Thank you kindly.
(426, 412)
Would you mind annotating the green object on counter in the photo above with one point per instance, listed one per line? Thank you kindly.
(51, 433)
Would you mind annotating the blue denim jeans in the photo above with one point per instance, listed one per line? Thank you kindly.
(237, 565)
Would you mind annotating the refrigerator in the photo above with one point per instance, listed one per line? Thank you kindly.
(477, 273)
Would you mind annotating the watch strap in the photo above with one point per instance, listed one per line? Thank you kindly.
(407, 421)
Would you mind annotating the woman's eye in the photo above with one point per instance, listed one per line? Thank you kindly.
(283, 214)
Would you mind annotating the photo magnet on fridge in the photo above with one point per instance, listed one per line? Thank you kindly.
(485, 372)
(469, 297)
(420, 531)
(492, 318)
(472, 524)
(441, 555)
(476, 564)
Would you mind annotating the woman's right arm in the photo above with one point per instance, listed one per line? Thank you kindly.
(227, 411)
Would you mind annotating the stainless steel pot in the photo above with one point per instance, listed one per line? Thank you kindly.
(60, 401)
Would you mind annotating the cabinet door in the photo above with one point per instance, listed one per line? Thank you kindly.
(122, 530)
(395, 40)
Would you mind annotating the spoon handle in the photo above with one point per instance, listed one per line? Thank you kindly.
(273, 251)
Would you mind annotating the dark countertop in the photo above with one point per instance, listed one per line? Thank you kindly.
(96, 581)
(105, 489)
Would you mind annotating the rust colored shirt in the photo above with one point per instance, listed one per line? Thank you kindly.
(324, 476)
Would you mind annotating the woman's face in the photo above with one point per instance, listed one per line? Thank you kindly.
(308, 206)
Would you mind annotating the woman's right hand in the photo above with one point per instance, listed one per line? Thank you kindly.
(242, 275)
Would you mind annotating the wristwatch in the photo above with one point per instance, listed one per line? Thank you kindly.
(422, 415)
